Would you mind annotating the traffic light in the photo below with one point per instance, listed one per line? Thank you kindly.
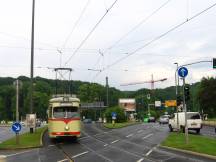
(179, 100)
(187, 93)
(214, 63)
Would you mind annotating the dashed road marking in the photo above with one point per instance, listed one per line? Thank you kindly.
(129, 135)
(83, 153)
(2, 157)
(51, 145)
(139, 131)
(62, 160)
(18, 153)
(149, 152)
(147, 136)
(140, 160)
(105, 145)
(114, 141)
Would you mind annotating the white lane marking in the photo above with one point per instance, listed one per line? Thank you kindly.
(83, 153)
(139, 131)
(62, 160)
(115, 141)
(140, 160)
(51, 145)
(2, 157)
(18, 153)
(147, 136)
(129, 135)
(105, 145)
(149, 152)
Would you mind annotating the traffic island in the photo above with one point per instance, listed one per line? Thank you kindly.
(26, 140)
(198, 145)
(119, 125)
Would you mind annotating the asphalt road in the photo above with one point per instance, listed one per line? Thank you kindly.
(138, 143)
(7, 133)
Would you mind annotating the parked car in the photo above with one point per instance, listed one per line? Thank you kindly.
(151, 119)
(87, 121)
(164, 119)
(194, 121)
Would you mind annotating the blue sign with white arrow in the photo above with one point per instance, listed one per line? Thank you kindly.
(16, 127)
(183, 72)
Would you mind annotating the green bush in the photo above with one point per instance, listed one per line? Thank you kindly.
(120, 114)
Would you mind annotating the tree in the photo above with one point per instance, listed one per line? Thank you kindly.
(120, 114)
(207, 96)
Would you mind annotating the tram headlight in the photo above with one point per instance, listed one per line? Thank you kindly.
(66, 128)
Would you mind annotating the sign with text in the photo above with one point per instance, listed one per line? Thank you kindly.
(170, 103)
(157, 103)
(31, 120)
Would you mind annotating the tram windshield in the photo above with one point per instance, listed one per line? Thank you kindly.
(65, 112)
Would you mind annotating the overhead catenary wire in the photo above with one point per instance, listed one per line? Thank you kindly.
(138, 25)
(76, 24)
(88, 35)
(159, 37)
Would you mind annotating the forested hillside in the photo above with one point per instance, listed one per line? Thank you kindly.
(203, 95)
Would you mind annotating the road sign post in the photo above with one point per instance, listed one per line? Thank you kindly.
(113, 118)
(16, 127)
(183, 72)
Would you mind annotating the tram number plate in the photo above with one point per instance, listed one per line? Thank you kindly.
(66, 134)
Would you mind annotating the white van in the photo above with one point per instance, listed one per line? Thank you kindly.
(194, 121)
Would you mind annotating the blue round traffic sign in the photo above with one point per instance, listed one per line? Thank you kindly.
(183, 72)
(114, 114)
(16, 127)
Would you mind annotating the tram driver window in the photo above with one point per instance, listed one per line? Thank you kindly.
(58, 113)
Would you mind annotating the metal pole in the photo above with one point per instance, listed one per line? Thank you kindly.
(177, 84)
(17, 100)
(17, 108)
(32, 61)
(107, 91)
(185, 109)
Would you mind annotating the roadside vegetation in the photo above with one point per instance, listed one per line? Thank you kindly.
(119, 125)
(202, 97)
(197, 143)
(26, 140)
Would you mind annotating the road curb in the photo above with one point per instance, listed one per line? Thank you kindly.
(189, 152)
(41, 137)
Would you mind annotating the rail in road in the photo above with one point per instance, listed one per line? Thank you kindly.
(137, 143)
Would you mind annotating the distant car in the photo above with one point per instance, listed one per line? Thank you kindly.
(151, 119)
(87, 121)
(164, 119)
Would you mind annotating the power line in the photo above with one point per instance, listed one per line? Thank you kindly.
(76, 23)
(81, 44)
(139, 24)
(160, 36)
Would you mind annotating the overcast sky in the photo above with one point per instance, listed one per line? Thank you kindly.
(61, 26)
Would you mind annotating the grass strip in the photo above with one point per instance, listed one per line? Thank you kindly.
(197, 143)
(26, 140)
(119, 125)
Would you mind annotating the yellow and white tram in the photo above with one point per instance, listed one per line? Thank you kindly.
(64, 116)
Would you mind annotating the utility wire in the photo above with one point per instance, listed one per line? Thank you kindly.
(76, 23)
(138, 25)
(81, 44)
(160, 36)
